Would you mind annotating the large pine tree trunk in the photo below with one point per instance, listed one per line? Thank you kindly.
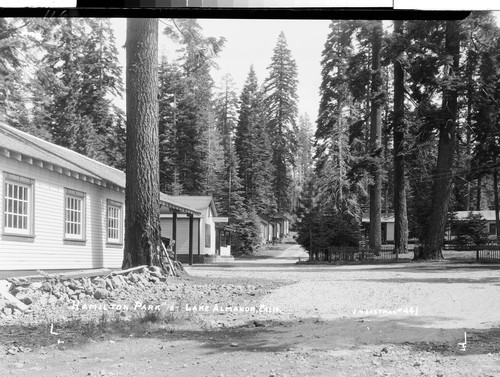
(142, 196)
(400, 212)
(470, 99)
(375, 189)
(478, 194)
(434, 239)
(495, 199)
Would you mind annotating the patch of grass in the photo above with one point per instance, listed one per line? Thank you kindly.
(152, 316)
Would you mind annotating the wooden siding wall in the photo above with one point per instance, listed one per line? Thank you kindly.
(48, 250)
(390, 232)
(198, 233)
(263, 233)
(182, 234)
(209, 220)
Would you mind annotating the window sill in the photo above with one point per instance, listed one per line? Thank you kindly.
(114, 244)
(71, 241)
(18, 237)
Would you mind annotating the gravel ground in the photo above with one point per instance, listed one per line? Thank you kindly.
(445, 294)
(404, 319)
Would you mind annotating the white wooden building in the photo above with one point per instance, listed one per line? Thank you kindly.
(387, 224)
(273, 227)
(490, 225)
(211, 241)
(266, 229)
(60, 209)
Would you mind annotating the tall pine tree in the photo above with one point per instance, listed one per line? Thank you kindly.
(79, 74)
(302, 169)
(399, 125)
(253, 149)
(281, 103)
(226, 111)
(376, 147)
(189, 136)
(336, 120)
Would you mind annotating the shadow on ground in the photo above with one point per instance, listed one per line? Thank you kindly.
(445, 280)
(260, 336)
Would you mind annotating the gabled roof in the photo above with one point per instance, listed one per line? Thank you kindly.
(32, 150)
(173, 204)
(279, 216)
(199, 203)
(27, 148)
(264, 219)
(267, 218)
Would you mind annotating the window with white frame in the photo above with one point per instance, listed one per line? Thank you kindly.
(115, 222)
(18, 205)
(74, 215)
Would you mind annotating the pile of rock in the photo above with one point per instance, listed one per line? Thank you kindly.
(63, 289)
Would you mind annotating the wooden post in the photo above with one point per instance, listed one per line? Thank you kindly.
(174, 234)
(199, 236)
(190, 239)
(310, 245)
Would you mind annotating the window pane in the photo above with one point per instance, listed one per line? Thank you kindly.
(16, 209)
(74, 217)
(114, 223)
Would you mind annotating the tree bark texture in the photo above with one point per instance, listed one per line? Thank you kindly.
(434, 239)
(478, 194)
(400, 212)
(495, 196)
(375, 237)
(142, 196)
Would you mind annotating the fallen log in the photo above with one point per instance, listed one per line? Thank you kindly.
(172, 268)
(84, 274)
(122, 272)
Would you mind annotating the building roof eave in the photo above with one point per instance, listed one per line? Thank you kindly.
(173, 205)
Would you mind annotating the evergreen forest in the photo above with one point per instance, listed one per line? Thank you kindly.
(408, 122)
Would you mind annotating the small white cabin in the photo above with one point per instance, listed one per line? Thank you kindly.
(387, 224)
(211, 241)
(266, 229)
(490, 225)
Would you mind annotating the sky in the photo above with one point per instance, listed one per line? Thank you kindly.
(252, 42)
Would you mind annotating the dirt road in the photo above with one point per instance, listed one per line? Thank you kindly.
(402, 319)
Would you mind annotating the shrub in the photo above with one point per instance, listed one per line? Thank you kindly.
(472, 229)
(246, 238)
(317, 231)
